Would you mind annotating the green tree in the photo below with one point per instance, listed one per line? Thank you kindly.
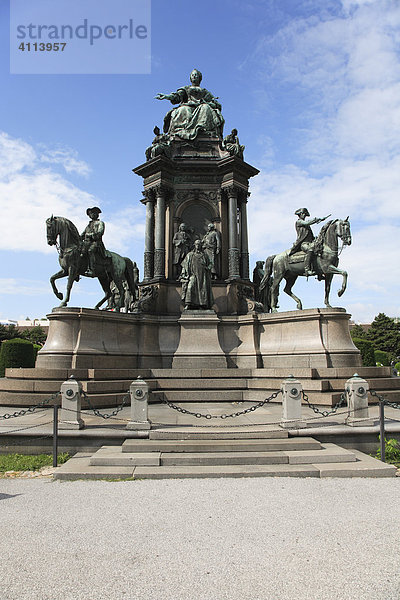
(36, 334)
(358, 332)
(384, 333)
(9, 332)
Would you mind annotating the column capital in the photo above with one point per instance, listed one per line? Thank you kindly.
(235, 191)
(162, 190)
(148, 196)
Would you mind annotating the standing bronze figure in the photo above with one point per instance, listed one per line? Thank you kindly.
(196, 279)
(212, 247)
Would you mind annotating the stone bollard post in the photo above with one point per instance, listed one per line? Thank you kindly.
(357, 402)
(71, 401)
(291, 404)
(139, 391)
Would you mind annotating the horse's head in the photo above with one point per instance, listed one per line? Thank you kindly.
(344, 231)
(51, 230)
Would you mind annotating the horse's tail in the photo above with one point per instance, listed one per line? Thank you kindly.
(131, 276)
(265, 281)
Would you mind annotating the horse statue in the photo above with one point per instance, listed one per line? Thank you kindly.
(117, 268)
(283, 266)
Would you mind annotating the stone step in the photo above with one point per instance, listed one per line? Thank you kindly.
(207, 471)
(217, 445)
(201, 384)
(80, 467)
(222, 433)
(325, 455)
(222, 395)
(113, 456)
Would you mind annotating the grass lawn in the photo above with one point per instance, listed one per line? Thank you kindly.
(29, 462)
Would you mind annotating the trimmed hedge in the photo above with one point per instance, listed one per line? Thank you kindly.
(36, 348)
(382, 357)
(16, 353)
(367, 352)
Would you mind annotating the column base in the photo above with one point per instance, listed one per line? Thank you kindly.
(293, 424)
(138, 425)
(361, 422)
(78, 424)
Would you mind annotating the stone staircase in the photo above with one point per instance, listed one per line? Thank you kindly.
(182, 453)
(107, 387)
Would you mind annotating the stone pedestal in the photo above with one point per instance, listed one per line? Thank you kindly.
(316, 337)
(291, 404)
(357, 402)
(139, 391)
(199, 345)
(71, 401)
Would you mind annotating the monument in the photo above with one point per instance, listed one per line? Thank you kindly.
(195, 315)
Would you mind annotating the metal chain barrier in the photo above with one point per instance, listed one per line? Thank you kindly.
(106, 415)
(31, 409)
(198, 415)
(325, 413)
(384, 400)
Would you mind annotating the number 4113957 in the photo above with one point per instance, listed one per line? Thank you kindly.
(42, 46)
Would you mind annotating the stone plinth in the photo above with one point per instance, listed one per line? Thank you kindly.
(317, 337)
(199, 344)
(83, 338)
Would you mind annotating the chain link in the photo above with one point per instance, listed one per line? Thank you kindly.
(207, 416)
(31, 409)
(325, 413)
(384, 400)
(106, 415)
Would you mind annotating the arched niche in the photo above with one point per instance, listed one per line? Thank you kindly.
(197, 213)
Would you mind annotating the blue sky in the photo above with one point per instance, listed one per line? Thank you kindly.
(314, 90)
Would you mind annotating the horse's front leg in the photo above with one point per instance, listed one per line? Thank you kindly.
(331, 270)
(105, 284)
(72, 273)
(328, 281)
(58, 275)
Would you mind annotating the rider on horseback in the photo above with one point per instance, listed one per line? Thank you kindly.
(305, 238)
(92, 245)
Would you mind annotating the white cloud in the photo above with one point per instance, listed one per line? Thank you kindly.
(11, 286)
(15, 156)
(342, 73)
(31, 189)
(67, 158)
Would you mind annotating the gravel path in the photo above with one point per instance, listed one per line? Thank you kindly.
(215, 539)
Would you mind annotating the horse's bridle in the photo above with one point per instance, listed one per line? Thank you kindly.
(53, 239)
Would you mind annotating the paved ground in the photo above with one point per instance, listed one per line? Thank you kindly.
(246, 539)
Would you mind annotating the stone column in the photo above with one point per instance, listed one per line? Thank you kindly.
(159, 254)
(149, 237)
(233, 247)
(244, 240)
